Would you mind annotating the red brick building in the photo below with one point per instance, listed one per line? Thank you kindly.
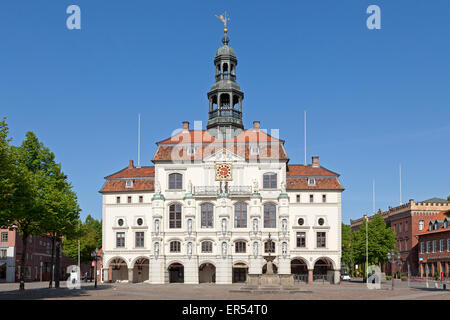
(38, 255)
(408, 220)
(434, 247)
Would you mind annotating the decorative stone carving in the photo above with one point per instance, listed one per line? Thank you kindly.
(255, 186)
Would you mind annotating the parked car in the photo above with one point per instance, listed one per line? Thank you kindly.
(345, 277)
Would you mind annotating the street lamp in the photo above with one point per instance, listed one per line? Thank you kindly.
(367, 249)
(94, 255)
(391, 256)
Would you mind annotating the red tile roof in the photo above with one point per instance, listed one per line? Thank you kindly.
(178, 152)
(119, 185)
(298, 170)
(133, 173)
(321, 184)
(440, 216)
(203, 136)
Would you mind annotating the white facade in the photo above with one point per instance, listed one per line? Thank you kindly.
(291, 205)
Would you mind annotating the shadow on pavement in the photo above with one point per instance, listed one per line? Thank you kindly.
(47, 293)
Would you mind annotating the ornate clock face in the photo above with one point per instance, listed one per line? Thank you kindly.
(223, 171)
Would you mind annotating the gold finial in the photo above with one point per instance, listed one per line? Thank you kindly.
(224, 18)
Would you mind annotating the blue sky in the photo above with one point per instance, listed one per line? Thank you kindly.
(375, 98)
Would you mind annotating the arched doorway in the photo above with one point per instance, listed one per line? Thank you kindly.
(141, 270)
(176, 273)
(119, 270)
(207, 273)
(275, 268)
(240, 271)
(323, 269)
(299, 269)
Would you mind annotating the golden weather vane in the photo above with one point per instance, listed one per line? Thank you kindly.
(224, 18)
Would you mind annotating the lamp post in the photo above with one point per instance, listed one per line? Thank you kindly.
(367, 249)
(94, 255)
(391, 256)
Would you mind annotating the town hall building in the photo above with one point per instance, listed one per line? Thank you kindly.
(216, 201)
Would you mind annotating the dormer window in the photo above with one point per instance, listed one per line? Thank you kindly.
(190, 151)
(129, 184)
(254, 150)
(311, 181)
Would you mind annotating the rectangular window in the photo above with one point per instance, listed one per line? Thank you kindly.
(301, 239)
(434, 246)
(422, 247)
(311, 198)
(400, 228)
(139, 239)
(406, 226)
(206, 246)
(321, 240)
(441, 245)
(401, 245)
(4, 237)
(3, 254)
(298, 198)
(175, 246)
(129, 199)
(175, 181)
(270, 181)
(324, 198)
(120, 239)
(117, 199)
(141, 199)
(448, 245)
(428, 246)
(240, 247)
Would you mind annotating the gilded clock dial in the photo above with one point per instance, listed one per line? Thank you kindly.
(223, 171)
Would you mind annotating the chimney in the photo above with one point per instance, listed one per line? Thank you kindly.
(185, 125)
(256, 125)
(131, 164)
(315, 161)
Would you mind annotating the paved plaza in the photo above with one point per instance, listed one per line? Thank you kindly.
(144, 291)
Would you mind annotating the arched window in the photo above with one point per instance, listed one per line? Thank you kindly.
(175, 181)
(175, 246)
(207, 246)
(240, 247)
(240, 215)
(207, 215)
(270, 180)
(421, 224)
(175, 216)
(270, 215)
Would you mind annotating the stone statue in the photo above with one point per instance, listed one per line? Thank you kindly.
(157, 226)
(156, 248)
(224, 225)
(284, 249)
(190, 187)
(284, 225)
(189, 249)
(255, 225)
(189, 225)
(157, 188)
(283, 187)
(224, 248)
(255, 249)
(255, 186)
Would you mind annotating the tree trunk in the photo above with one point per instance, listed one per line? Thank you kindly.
(22, 261)
(57, 262)
(52, 259)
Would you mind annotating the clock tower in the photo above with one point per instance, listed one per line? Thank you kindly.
(225, 96)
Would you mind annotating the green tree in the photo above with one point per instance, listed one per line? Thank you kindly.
(346, 243)
(90, 237)
(381, 240)
(23, 207)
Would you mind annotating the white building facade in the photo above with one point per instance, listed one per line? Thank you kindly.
(207, 207)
